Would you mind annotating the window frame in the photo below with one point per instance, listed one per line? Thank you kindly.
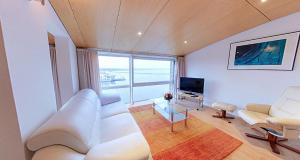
(132, 84)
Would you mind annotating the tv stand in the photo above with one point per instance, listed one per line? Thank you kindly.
(189, 93)
(189, 99)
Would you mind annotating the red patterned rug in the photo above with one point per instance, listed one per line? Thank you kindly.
(197, 141)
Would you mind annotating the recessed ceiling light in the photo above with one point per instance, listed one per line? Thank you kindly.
(185, 42)
(263, 1)
(139, 33)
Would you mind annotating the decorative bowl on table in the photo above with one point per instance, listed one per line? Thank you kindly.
(168, 96)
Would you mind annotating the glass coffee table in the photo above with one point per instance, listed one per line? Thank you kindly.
(171, 111)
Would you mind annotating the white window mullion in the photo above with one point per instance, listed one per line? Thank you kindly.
(131, 79)
(171, 77)
(151, 83)
(116, 87)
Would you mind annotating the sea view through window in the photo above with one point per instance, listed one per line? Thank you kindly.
(136, 78)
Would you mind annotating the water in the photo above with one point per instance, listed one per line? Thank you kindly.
(120, 77)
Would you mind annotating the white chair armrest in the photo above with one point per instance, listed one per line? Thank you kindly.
(261, 108)
(290, 122)
(131, 147)
(107, 98)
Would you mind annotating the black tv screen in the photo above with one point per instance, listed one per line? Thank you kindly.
(192, 84)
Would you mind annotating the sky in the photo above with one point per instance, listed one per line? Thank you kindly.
(123, 62)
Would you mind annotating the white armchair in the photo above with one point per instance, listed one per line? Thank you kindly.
(281, 121)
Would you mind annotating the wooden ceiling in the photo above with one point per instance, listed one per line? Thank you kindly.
(113, 24)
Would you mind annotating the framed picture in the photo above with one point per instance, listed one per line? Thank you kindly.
(276, 52)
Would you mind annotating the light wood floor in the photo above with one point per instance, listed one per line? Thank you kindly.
(251, 149)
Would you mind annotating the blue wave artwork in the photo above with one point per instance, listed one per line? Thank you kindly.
(264, 53)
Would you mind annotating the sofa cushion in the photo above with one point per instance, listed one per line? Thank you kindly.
(117, 126)
(130, 147)
(72, 126)
(109, 97)
(114, 109)
(253, 117)
(57, 152)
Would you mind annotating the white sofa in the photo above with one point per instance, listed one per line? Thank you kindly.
(83, 129)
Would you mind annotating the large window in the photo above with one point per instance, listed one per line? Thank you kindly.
(142, 93)
(136, 78)
(146, 70)
(114, 75)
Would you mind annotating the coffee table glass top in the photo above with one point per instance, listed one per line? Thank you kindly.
(171, 111)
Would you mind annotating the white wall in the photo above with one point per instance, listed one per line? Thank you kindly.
(66, 68)
(11, 147)
(243, 86)
(25, 25)
(74, 68)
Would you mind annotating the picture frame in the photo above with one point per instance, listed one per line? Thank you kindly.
(276, 52)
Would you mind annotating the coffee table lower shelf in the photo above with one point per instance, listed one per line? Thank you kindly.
(171, 112)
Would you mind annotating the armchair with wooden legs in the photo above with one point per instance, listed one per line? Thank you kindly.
(280, 121)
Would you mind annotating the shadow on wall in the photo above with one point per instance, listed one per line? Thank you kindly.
(212, 86)
(11, 146)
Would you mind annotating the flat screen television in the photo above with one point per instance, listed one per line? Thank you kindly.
(195, 85)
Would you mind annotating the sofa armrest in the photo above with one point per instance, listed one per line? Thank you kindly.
(291, 122)
(130, 147)
(108, 98)
(261, 108)
(57, 152)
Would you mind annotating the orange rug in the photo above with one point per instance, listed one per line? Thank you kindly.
(197, 141)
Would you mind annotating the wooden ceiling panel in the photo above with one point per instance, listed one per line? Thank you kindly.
(165, 24)
(173, 41)
(229, 18)
(176, 13)
(135, 16)
(235, 22)
(97, 21)
(225, 18)
(65, 13)
(274, 9)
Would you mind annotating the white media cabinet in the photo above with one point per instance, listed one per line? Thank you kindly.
(191, 100)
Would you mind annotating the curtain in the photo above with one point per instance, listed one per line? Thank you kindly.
(55, 76)
(180, 70)
(88, 69)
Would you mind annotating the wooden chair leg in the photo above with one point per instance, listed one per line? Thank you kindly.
(273, 140)
(274, 147)
(289, 147)
(218, 115)
(223, 115)
(256, 136)
(281, 139)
